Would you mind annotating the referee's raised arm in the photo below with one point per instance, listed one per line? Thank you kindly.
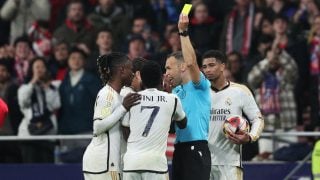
(188, 52)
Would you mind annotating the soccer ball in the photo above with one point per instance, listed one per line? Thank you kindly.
(234, 124)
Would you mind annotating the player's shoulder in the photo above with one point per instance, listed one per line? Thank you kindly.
(163, 93)
(107, 91)
(241, 88)
(157, 92)
(126, 90)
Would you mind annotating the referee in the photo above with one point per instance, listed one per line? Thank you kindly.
(191, 157)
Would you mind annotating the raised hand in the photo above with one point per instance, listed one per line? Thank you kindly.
(183, 22)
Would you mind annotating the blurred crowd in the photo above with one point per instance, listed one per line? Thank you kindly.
(48, 52)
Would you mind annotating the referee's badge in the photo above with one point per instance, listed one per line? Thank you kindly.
(228, 102)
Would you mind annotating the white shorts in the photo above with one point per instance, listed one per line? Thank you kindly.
(226, 173)
(144, 176)
(111, 175)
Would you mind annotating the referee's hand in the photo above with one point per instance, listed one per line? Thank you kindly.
(183, 22)
(130, 100)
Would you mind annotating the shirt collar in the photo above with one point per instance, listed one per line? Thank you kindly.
(217, 90)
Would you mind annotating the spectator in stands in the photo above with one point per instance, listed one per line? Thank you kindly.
(9, 150)
(141, 8)
(137, 48)
(38, 100)
(78, 92)
(273, 80)
(76, 30)
(41, 38)
(235, 65)
(23, 13)
(314, 65)
(237, 34)
(306, 13)
(7, 52)
(264, 42)
(205, 29)
(266, 27)
(8, 92)
(280, 7)
(141, 27)
(104, 42)
(169, 27)
(297, 48)
(165, 11)
(108, 15)
(172, 44)
(23, 56)
(58, 63)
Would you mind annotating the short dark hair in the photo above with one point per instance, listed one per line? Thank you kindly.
(281, 17)
(177, 55)
(59, 42)
(218, 55)
(74, 2)
(138, 63)
(78, 50)
(151, 74)
(23, 39)
(137, 38)
(7, 63)
(103, 29)
(107, 64)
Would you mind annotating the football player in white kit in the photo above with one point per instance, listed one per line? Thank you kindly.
(228, 99)
(149, 124)
(101, 159)
(135, 86)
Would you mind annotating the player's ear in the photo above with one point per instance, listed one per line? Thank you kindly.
(223, 66)
(183, 67)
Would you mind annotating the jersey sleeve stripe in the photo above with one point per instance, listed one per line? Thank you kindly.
(175, 107)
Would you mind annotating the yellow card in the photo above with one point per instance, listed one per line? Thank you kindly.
(186, 9)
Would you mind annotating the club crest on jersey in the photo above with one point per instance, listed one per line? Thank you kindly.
(228, 102)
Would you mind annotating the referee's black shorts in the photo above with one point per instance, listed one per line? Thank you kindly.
(191, 161)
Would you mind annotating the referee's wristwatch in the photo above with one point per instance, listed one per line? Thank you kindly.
(183, 33)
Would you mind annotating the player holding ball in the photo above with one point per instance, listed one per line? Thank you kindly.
(227, 132)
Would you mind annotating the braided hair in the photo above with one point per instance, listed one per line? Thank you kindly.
(107, 64)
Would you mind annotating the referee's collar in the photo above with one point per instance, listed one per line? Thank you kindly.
(217, 90)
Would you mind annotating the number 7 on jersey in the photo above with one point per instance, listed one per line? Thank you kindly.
(155, 110)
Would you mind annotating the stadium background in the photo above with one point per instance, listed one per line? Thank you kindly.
(143, 28)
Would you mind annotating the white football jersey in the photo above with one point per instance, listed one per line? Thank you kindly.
(126, 90)
(235, 99)
(103, 152)
(149, 124)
